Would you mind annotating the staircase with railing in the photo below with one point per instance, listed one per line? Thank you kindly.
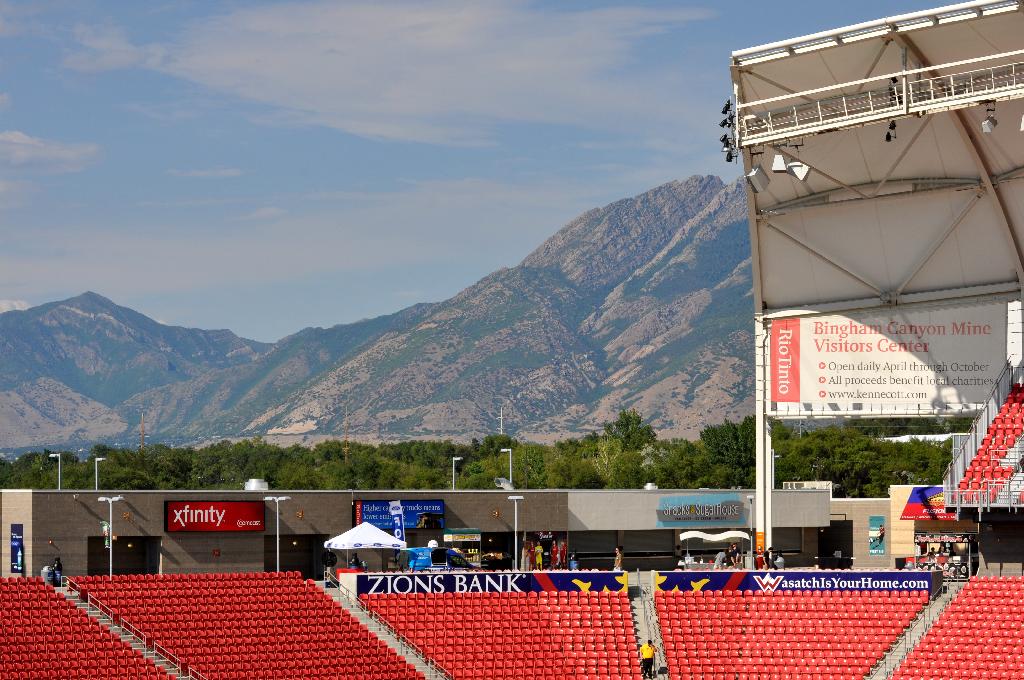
(985, 469)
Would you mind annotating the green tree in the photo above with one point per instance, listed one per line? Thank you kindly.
(630, 430)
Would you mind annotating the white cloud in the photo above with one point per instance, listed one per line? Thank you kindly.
(447, 71)
(22, 150)
(9, 305)
(265, 213)
(206, 173)
(107, 48)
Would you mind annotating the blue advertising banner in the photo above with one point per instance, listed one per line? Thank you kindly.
(702, 510)
(18, 549)
(413, 514)
(491, 582)
(772, 581)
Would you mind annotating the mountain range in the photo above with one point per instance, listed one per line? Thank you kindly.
(642, 303)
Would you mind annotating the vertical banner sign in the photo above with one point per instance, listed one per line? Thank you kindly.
(939, 359)
(876, 535)
(786, 360)
(397, 519)
(106, 534)
(18, 549)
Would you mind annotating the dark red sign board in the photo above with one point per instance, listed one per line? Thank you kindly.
(207, 516)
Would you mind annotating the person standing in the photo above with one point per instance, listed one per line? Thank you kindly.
(647, 652)
(617, 565)
(538, 556)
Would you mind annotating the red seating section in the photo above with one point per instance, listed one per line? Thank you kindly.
(245, 626)
(519, 635)
(797, 635)
(979, 635)
(989, 465)
(43, 636)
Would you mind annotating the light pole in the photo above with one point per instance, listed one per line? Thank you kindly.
(454, 460)
(277, 534)
(96, 465)
(515, 532)
(510, 480)
(59, 470)
(750, 502)
(110, 500)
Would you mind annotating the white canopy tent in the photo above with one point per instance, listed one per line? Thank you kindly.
(720, 536)
(364, 535)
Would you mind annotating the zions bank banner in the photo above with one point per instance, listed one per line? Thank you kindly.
(772, 581)
(491, 582)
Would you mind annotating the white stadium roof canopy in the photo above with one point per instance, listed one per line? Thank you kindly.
(853, 221)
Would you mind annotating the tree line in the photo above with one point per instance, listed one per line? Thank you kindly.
(626, 454)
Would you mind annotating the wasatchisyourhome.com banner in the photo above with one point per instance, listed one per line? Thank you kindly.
(774, 581)
(491, 582)
(934, 358)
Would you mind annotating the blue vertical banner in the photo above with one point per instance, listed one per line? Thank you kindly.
(397, 519)
(18, 549)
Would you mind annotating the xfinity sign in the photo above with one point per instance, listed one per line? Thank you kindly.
(213, 516)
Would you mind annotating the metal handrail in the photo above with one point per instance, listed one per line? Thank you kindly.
(148, 643)
(929, 614)
(888, 99)
(402, 639)
(963, 457)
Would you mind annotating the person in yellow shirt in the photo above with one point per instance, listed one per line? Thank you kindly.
(647, 659)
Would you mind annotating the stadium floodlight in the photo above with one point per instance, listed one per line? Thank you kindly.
(515, 532)
(96, 465)
(454, 460)
(798, 170)
(727, 107)
(110, 500)
(729, 156)
(758, 179)
(277, 538)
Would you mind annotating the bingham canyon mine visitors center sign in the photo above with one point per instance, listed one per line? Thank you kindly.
(936, 358)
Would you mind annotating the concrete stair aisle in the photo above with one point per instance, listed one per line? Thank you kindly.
(645, 617)
(918, 628)
(378, 627)
(137, 643)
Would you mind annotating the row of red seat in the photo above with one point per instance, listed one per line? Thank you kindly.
(279, 626)
(43, 636)
(790, 634)
(988, 464)
(519, 635)
(981, 630)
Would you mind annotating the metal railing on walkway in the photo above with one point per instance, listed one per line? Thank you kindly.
(881, 97)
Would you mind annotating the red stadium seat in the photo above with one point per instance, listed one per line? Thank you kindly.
(518, 635)
(43, 636)
(811, 635)
(244, 626)
(979, 632)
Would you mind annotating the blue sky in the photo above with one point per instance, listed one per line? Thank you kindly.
(267, 166)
